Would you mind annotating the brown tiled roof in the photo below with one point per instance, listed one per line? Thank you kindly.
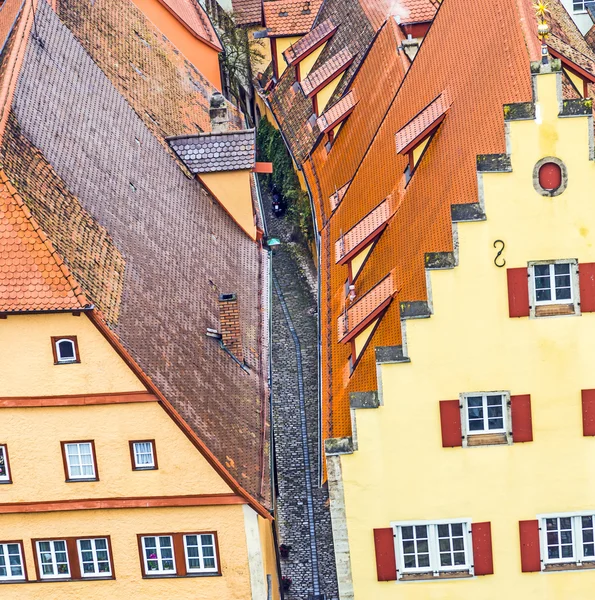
(230, 151)
(423, 122)
(330, 69)
(33, 277)
(337, 112)
(586, 62)
(247, 12)
(290, 17)
(310, 42)
(195, 19)
(181, 248)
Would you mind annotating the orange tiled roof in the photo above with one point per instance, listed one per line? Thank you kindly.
(195, 19)
(33, 277)
(333, 67)
(337, 113)
(422, 122)
(310, 42)
(405, 12)
(290, 17)
(247, 12)
(366, 308)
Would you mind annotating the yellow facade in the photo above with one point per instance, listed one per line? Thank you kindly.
(324, 95)
(400, 471)
(307, 64)
(281, 44)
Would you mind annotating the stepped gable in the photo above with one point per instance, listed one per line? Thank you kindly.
(247, 12)
(193, 16)
(182, 249)
(290, 17)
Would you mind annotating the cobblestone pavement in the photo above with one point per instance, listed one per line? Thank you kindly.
(303, 516)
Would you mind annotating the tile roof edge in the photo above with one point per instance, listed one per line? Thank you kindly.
(46, 241)
(97, 320)
(558, 54)
(210, 134)
(336, 73)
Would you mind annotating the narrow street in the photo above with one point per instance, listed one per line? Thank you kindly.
(303, 515)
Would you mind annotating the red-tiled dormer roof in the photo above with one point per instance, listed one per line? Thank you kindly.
(195, 19)
(290, 17)
(333, 67)
(337, 113)
(310, 42)
(247, 12)
(33, 277)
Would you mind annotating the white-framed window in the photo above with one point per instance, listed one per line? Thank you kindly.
(433, 547)
(94, 557)
(11, 562)
(53, 559)
(486, 412)
(4, 468)
(65, 350)
(158, 555)
(567, 538)
(80, 460)
(554, 282)
(143, 455)
(200, 553)
(580, 6)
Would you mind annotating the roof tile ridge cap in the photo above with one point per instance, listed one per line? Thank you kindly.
(76, 288)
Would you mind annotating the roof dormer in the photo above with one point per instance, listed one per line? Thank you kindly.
(331, 121)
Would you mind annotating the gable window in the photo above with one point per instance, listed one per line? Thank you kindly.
(94, 557)
(53, 559)
(4, 468)
(11, 562)
(158, 555)
(143, 455)
(567, 539)
(433, 548)
(554, 287)
(65, 349)
(200, 553)
(79, 460)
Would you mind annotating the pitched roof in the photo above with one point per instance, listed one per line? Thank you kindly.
(193, 16)
(33, 277)
(310, 42)
(290, 17)
(405, 11)
(229, 151)
(337, 112)
(583, 62)
(247, 12)
(330, 69)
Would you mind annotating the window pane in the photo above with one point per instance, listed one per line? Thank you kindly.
(66, 350)
(3, 465)
(143, 454)
(588, 537)
(414, 548)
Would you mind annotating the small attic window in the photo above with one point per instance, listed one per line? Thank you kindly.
(65, 349)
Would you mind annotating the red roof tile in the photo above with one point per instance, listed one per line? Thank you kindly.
(290, 17)
(247, 12)
(337, 113)
(405, 11)
(335, 199)
(33, 276)
(310, 42)
(333, 67)
(195, 19)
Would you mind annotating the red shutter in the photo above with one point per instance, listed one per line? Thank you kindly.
(530, 554)
(518, 292)
(450, 423)
(483, 563)
(386, 563)
(588, 412)
(522, 423)
(586, 275)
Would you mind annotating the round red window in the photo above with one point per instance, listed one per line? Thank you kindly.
(550, 176)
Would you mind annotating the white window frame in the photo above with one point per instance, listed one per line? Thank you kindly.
(59, 357)
(574, 285)
(201, 557)
(54, 563)
(158, 558)
(3, 451)
(580, 11)
(507, 429)
(72, 477)
(140, 467)
(435, 570)
(578, 557)
(97, 573)
(6, 556)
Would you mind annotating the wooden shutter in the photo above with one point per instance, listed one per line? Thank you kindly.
(522, 423)
(530, 554)
(483, 562)
(588, 412)
(450, 423)
(586, 275)
(518, 292)
(386, 562)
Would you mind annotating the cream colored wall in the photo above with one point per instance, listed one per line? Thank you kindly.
(27, 363)
(232, 189)
(282, 44)
(307, 63)
(259, 65)
(268, 553)
(123, 527)
(401, 471)
(324, 95)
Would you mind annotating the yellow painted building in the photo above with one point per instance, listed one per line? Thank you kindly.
(468, 473)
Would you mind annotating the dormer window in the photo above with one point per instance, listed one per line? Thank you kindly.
(65, 349)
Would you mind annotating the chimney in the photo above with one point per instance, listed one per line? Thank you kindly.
(229, 316)
(218, 114)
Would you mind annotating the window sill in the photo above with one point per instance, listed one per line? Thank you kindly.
(182, 576)
(432, 577)
(63, 580)
(68, 362)
(81, 480)
(569, 566)
(5, 481)
(145, 469)
(555, 310)
(486, 439)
